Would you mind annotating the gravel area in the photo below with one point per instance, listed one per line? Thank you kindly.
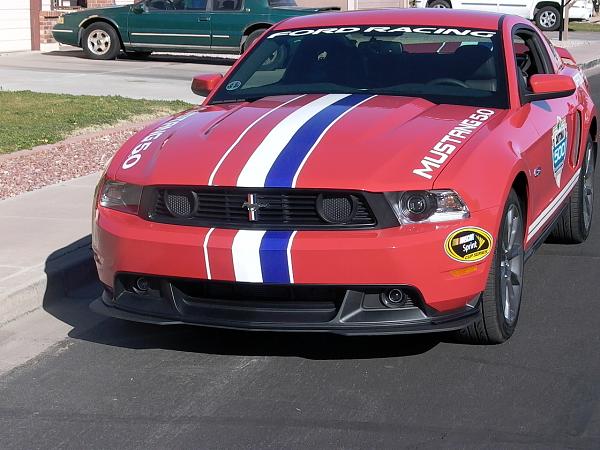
(27, 170)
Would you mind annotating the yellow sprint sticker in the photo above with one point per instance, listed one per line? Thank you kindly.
(469, 244)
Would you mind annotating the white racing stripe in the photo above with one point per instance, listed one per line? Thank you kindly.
(246, 255)
(237, 141)
(547, 213)
(289, 256)
(205, 247)
(256, 169)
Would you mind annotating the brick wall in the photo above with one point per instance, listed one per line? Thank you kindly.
(47, 21)
(99, 3)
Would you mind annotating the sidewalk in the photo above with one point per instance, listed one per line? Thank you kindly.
(44, 234)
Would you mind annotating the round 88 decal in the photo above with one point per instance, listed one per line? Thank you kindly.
(469, 244)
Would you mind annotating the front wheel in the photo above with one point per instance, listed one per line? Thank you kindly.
(440, 4)
(573, 227)
(501, 301)
(548, 18)
(100, 41)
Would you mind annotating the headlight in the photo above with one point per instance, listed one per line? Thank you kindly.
(427, 206)
(121, 196)
(60, 19)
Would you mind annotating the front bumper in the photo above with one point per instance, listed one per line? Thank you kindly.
(351, 310)
(408, 255)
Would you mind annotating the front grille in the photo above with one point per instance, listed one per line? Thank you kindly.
(260, 208)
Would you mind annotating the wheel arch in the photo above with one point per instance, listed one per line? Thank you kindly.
(94, 19)
(521, 187)
(540, 5)
(594, 128)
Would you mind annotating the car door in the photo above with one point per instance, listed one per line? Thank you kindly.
(550, 159)
(229, 19)
(170, 24)
(479, 5)
(521, 8)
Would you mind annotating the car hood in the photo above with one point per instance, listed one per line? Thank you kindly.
(97, 11)
(374, 143)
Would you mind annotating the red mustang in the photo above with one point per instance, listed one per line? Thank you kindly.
(359, 173)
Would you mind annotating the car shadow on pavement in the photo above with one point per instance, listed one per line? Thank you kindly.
(159, 57)
(73, 285)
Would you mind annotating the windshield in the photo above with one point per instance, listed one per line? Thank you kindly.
(443, 65)
(282, 3)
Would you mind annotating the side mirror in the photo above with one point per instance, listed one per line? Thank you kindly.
(204, 84)
(565, 54)
(548, 86)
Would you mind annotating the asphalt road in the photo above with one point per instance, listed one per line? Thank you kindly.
(160, 77)
(113, 384)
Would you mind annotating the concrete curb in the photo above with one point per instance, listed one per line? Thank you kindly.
(588, 66)
(64, 272)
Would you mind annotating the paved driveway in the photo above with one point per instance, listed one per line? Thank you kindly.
(161, 77)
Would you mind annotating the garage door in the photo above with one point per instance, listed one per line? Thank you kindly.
(15, 27)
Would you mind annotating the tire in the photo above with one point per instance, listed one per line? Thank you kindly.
(548, 18)
(100, 41)
(499, 317)
(252, 37)
(441, 4)
(135, 54)
(573, 226)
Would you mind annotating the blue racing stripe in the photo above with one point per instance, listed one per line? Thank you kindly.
(288, 162)
(273, 257)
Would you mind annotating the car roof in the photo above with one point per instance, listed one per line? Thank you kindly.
(398, 16)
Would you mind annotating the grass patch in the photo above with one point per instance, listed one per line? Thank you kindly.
(584, 26)
(30, 118)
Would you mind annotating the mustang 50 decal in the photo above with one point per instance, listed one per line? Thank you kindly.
(468, 244)
(559, 147)
(420, 30)
(448, 144)
(145, 143)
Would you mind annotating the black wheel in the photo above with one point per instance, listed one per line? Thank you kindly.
(100, 41)
(548, 18)
(252, 37)
(439, 4)
(573, 227)
(135, 54)
(501, 301)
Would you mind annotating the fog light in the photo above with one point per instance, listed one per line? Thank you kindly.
(142, 284)
(393, 298)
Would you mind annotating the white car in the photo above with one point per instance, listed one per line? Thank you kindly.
(546, 13)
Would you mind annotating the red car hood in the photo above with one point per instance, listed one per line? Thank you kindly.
(374, 143)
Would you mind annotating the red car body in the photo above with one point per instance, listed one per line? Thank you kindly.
(379, 143)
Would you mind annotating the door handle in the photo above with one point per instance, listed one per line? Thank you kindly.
(204, 19)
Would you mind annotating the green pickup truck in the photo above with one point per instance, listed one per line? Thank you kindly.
(190, 26)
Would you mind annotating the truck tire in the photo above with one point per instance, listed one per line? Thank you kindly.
(548, 18)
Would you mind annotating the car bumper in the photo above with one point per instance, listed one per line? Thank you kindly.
(408, 255)
(65, 35)
(357, 313)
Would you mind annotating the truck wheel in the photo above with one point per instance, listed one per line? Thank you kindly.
(100, 41)
(501, 301)
(548, 18)
(252, 37)
(574, 225)
(439, 4)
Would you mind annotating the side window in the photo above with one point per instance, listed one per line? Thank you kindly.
(531, 57)
(195, 5)
(227, 5)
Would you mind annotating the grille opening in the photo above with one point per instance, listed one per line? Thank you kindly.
(280, 209)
